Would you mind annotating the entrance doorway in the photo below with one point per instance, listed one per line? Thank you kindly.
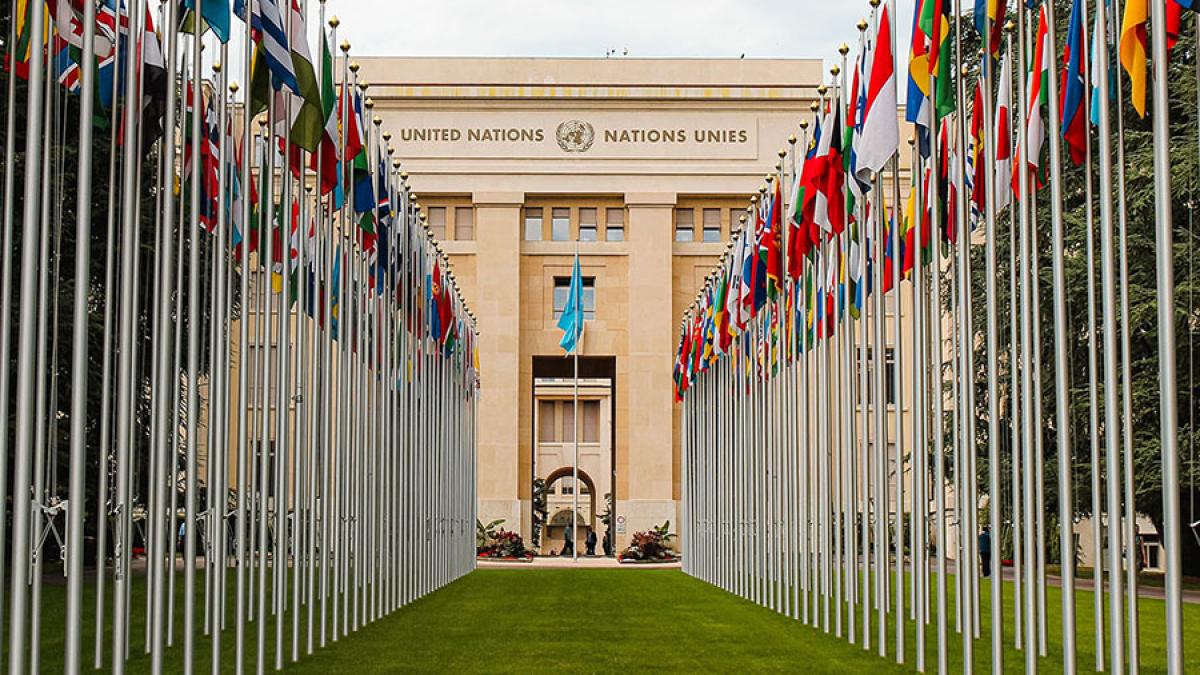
(554, 490)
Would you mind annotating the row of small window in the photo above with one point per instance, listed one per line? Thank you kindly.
(556, 421)
(710, 224)
(463, 227)
(560, 224)
(566, 486)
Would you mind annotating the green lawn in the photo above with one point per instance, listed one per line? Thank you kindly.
(609, 620)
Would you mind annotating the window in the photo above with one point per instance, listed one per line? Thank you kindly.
(567, 486)
(560, 224)
(712, 225)
(889, 376)
(464, 223)
(590, 414)
(587, 224)
(546, 422)
(533, 224)
(254, 367)
(614, 229)
(437, 222)
(568, 422)
(735, 218)
(265, 481)
(685, 225)
(562, 286)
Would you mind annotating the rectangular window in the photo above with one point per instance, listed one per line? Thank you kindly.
(735, 218)
(568, 486)
(889, 376)
(560, 224)
(587, 224)
(464, 223)
(591, 421)
(546, 422)
(533, 224)
(568, 421)
(685, 225)
(562, 287)
(712, 225)
(614, 229)
(437, 222)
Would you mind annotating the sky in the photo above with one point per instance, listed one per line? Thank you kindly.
(574, 28)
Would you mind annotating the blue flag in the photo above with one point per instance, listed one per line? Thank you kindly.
(571, 321)
(216, 14)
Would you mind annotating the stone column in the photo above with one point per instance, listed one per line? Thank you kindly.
(497, 306)
(647, 370)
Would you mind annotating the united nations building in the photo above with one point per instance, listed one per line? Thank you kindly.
(643, 166)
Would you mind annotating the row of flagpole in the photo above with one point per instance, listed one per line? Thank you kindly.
(299, 433)
(831, 440)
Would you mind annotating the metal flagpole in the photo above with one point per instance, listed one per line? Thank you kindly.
(1116, 628)
(993, 347)
(79, 347)
(1062, 375)
(575, 434)
(1168, 397)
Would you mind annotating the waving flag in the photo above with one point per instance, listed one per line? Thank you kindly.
(308, 117)
(213, 13)
(770, 248)
(880, 128)
(935, 23)
(994, 10)
(1074, 91)
(1134, 48)
(572, 320)
(1038, 91)
(916, 104)
(275, 52)
(975, 158)
(326, 162)
(1003, 136)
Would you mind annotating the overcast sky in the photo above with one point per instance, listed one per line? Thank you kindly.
(647, 28)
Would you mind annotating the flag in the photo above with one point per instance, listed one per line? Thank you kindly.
(916, 104)
(770, 248)
(1074, 91)
(829, 209)
(798, 244)
(935, 23)
(1038, 91)
(326, 161)
(1134, 48)
(977, 166)
(993, 11)
(1003, 136)
(571, 321)
(308, 118)
(273, 44)
(213, 13)
(880, 128)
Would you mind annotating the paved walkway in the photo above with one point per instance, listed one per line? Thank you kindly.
(584, 562)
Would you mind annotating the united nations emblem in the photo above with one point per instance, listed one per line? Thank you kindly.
(575, 136)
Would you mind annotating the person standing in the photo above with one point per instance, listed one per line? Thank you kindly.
(985, 550)
(568, 543)
(590, 542)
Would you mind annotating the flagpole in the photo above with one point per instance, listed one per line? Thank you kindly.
(1062, 375)
(993, 395)
(575, 433)
(79, 345)
(1108, 290)
(243, 419)
(1093, 391)
(1168, 396)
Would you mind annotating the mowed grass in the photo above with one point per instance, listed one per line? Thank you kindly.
(616, 620)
